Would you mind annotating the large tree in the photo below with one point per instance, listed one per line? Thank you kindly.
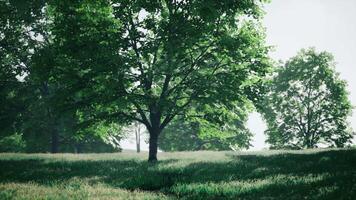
(150, 61)
(30, 106)
(18, 23)
(307, 103)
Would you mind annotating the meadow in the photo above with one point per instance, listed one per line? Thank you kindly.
(308, 174)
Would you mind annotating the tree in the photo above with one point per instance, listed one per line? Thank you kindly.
(138, 137)
(44, 109)
(149, 61)
(184, 135)
(199, 133)
(22, 23)
(17, 20)
(30, 106)
(99, 137)
(137, 130)
(307, 103)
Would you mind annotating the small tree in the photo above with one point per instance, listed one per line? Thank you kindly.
(138, 130)
(307, 103)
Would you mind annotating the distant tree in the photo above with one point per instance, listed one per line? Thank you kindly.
(138, 130)
(150, 61)
(99, 137)
(193, 134)
(307, 103)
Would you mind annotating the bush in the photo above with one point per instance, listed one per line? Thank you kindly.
(12, 143)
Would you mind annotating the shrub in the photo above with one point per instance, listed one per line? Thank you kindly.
(12, 143)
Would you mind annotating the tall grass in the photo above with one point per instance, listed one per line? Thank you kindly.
(312, 174)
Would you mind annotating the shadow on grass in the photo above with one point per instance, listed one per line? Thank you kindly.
(323, 175)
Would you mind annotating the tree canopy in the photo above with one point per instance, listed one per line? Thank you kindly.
(18, 19)
(307, 103)
(30, 111)
(150, 61)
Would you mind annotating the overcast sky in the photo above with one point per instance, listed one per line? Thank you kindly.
(294, 24)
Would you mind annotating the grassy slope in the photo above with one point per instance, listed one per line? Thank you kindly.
(316, 174)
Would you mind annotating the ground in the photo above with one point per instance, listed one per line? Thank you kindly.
(310, 174)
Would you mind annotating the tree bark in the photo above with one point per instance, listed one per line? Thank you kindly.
(138, 134)
(138, 144)
(153, 145)
(310, 142)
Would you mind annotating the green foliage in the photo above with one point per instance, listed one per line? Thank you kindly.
(34, 104)
(11, 104)
(310, 174)
(150, 61)
(307, 104)
(17, 18)
(180, 135)
(12, 143)
(88, 62)
(213, 129)
(99, 137)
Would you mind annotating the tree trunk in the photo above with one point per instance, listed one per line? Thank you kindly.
(138, 134)
(54, 142)
(138, 145)
(309, 146)
(153, 146)
(310, 143)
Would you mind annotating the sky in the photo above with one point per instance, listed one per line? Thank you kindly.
(327, 25)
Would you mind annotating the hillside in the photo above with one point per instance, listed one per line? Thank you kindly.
(311, 174)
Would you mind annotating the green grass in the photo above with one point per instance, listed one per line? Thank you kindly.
(312, 174)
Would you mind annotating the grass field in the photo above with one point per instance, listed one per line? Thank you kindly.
(312, 174)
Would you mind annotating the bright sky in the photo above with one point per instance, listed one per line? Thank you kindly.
(294, 24)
